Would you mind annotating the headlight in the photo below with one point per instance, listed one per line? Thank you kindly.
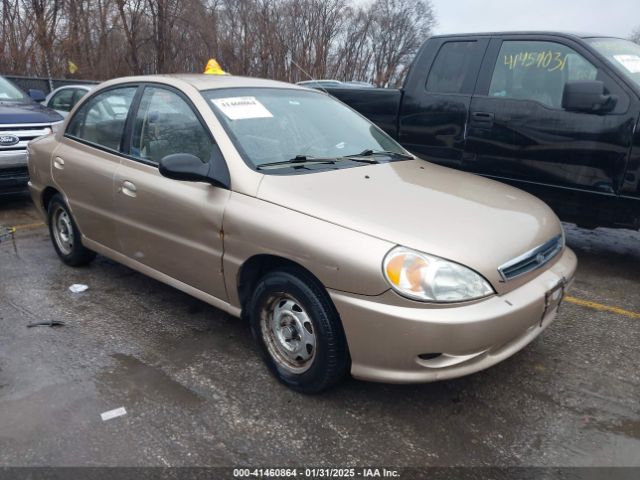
(56, 126)
(419, 276)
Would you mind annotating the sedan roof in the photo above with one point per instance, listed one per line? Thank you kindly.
(201, 81)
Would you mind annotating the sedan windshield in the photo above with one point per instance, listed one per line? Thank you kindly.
(10, 93)
(287, 128)
(625, 55)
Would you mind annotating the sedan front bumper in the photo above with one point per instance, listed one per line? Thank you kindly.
(395, 340)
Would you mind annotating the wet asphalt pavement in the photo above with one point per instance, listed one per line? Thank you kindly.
(197, 394)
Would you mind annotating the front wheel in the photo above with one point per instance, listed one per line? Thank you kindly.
(65, 235)
(298, 330)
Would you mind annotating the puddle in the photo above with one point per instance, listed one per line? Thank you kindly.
(140, 382)
(629, 428)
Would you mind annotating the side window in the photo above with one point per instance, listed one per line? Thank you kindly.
(77, 95)
(538, 71)
(101, 120)
(166, 124)
(448, 72)
(62, 100)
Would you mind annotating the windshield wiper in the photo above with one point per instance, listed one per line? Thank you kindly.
(298, 160)
(373, 153)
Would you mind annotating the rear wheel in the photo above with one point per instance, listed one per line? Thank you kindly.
(298, 330)
(65, 235)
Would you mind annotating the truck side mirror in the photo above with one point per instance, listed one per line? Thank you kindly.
(36, 95)
(587, 96)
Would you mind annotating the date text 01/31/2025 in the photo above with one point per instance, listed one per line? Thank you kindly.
(315, 473)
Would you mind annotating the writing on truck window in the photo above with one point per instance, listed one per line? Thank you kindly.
(538, 71)
(546, 60)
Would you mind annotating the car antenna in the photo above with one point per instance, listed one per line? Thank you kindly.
(306, 73)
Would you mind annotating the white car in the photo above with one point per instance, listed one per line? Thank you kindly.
(63, 99)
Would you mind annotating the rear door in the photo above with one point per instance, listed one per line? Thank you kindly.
(434, 112)
(518, 131)
(173, 227)
(85, 163)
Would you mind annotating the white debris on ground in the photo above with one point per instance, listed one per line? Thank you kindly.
(116, 412)
(78, 287)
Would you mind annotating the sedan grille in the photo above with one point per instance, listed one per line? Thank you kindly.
(532, 260)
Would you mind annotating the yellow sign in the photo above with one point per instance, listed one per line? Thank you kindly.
(214, 68)
(549, 60)
(73, 68)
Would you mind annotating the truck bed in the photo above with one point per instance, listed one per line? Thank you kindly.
(380, 105)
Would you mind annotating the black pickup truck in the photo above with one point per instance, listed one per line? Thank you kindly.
(22, 119)
(554, 114)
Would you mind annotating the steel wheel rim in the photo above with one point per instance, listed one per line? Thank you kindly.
(62, 230)
(288, 333)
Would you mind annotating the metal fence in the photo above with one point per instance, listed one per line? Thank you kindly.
(25, 83)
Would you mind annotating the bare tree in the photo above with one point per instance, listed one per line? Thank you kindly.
(130, 13)
(398, 28)
(635, 36)
(45, 15)
(17, 44)
(282, 39)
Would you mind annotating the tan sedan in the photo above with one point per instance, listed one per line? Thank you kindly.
(280, 204)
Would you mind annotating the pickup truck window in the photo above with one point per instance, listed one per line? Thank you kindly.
(101, 120)
(449, 72)
(624, 55)
(538, 71)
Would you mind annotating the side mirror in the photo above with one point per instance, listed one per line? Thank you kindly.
(37, 95)
(587, 96)
(188, 167)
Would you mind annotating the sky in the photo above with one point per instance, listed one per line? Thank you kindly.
(611, 17)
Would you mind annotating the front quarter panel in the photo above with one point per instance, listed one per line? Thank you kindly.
(340, 258)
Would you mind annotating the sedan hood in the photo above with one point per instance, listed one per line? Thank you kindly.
(461, 217)
(12, 112)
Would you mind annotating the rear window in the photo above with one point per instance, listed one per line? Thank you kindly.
(450, 68)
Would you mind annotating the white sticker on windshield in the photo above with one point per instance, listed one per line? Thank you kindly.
(241, 108)
(630, 62)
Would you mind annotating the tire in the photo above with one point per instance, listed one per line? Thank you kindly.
(283, 303)
(65, 235)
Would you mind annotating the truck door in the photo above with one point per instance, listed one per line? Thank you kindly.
(519, 133)
(433, 113)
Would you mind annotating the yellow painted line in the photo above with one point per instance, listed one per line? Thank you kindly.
(600, 307)
(27, 226)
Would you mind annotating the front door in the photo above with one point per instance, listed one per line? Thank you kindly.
(171, 226)
(518, 131)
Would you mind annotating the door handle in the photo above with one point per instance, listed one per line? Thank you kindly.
(482, 117)
(58, 163)
(128, 188)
